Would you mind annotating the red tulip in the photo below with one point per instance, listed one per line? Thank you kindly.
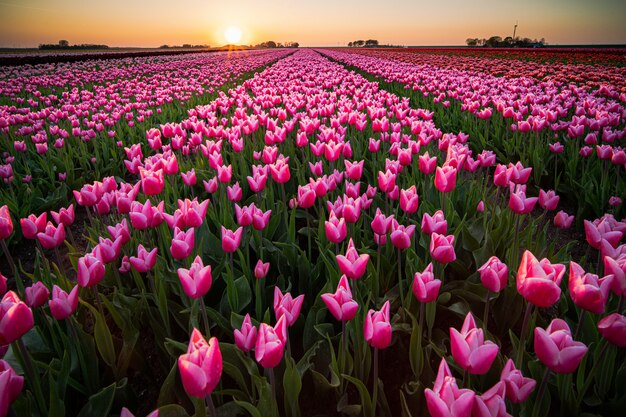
(201, 367)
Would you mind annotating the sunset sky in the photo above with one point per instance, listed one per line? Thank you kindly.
(150, 23)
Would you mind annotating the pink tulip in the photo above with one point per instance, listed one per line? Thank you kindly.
(11, 385)
(6, 224)
(32, 225)
(519, 203)
(336, 229)
(234, 192)
(285, 305)
(126, 412)
(270, 343)
(182, 243)
(189, 178)
(145, 215)
(144, 261)
(501, 176)
(427, 164)
(445, 178)
(480, 208)
(120, 231)
(354, 170)
(613, 329)
(211, 185)
(152, 182)
(386, 181)
(491, 403)
(587, 291)
(446, 399)
(556, 349)
(88, 195)
(62, 305)
(425, 285)
(201, 367)
(470, 349)
(52, 237)
(340, 304)
(539, 281)
(245, 338)
(401, 235)
(381, 224)
(108, 251)
(261, 269)
(196, 280)
(409, 200)
(548, 200)
(16, 319)
(305, 197)
(224, 173)
(442, 248)
(596, 231)
(494, 274)
(244, 214)
(377, 328)
(280, 171)
(231, 240)
(562, 220)
(90, 270)
(352, 264)
(3, 284)
(518, 387)
(37, 295)
(435, 224)
(260, 219)
(617, 268)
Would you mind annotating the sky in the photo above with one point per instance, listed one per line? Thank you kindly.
(150, 23)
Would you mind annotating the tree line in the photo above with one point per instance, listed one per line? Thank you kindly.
(361, 43)
(507, 42)
(63, 44)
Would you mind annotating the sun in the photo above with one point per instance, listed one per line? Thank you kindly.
(232, 34)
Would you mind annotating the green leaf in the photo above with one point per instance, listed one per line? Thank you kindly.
(366, 400)
(292, 385)
(254, 412)
(102, 336)
(99, 404)
(172, 410)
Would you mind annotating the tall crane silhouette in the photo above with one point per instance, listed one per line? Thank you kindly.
(514, 30)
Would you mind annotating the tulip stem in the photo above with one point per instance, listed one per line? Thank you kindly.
(592, 374)
(7, 254)
(57, 254)
(96, 298)
(579, 326)
(308, 235)
(210, 407)
(344, 351)
(522, 339)
(515, 242)
(258, 301)
(90, 217)
(205, 319)
(541, 392)
(422, 314)
(32, 376)
(375, 392)
(620, 305)
(401, 289)
(273, 384)
(486, 315)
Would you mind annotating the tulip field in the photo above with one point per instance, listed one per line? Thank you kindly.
(314, 232)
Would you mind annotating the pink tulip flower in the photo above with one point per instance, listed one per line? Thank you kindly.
(446, 399)
(341, 304)
(613, 329)
(442, 248)
(556, 349)
(377, 328)
(425, 285)
(494, 274)
(245, 337)
(539, 281)
(270, 343)
(231, 240)
(352, 264)
(518, 387)
(470, 349)
(16, 319)
(182, 243)
(285, 305)
(196, 280)
(201, 367)
(144, 261)
(62, 305)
